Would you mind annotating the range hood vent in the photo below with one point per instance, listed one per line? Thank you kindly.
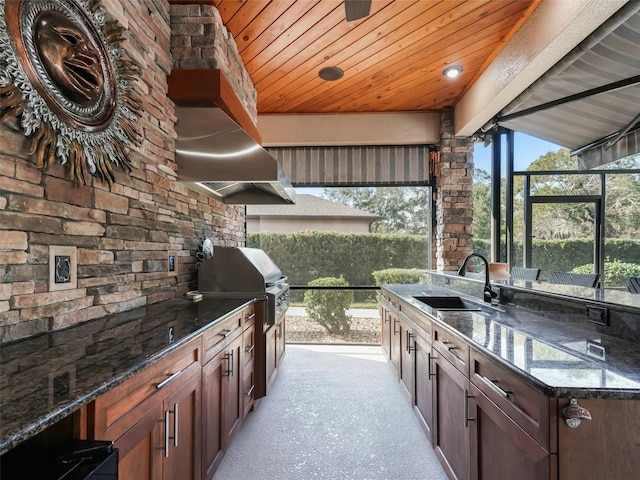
(215, 155)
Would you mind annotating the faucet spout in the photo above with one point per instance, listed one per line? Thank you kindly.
(489, 294)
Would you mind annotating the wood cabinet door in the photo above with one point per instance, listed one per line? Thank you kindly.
(232, 405)
(385, 325)
(212, 377)
(183, 432)
(141, 448)
(423, 385)
(500, 448)
(407, 359)
(607, 446)
(395, 346)
(270, 355)
(280, 342)
(451, 425)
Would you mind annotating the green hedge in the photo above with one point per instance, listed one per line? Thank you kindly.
(564, 255)
(305, 256)
(398, 276)
(616, 273)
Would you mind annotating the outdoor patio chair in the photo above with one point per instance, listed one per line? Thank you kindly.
(523, 273)
(633, 285)
(580, 279)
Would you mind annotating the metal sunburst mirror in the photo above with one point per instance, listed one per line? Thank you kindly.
(66, 81)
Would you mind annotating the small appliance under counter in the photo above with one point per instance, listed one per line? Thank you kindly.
(45, 378)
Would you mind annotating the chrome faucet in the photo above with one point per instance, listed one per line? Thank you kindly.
(488, 293)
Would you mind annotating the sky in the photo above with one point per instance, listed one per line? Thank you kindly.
(527, 149)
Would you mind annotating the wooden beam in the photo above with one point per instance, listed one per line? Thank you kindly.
(210, 88)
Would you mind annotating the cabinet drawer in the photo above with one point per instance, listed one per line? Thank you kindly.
(391, 303)
(419, 319)
(453, 348)
(524, 404)
(216, 338)
(248, 347)
(120, 408)
(249, 317)
(248, 389)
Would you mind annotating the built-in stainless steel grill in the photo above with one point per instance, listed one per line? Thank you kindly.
(246, 270)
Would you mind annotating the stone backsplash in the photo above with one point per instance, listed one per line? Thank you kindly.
(123, 236)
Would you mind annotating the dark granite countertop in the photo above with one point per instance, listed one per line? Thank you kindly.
(561, 358)
(45, 378)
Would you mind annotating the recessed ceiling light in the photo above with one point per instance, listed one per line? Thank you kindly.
(452, 72)
(331, 73)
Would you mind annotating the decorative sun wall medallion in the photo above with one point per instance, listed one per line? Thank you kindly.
(65, 78)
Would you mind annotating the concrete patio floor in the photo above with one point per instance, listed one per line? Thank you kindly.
(334, 412)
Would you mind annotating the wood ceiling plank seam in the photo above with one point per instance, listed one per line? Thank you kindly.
(526, 13)
(251, 34)
(245, 15)
(228, 8)
(334, 51)
(432, 85)
(412, 60)
(444, 95)
(302, 58)
(284, 61)
(412, 74)
(410, 81)
(289, 31)
(470, 22)
(328, 24)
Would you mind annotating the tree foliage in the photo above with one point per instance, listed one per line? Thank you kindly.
(570, 219)
(402, 209)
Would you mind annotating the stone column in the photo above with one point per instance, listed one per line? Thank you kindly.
(452, 240)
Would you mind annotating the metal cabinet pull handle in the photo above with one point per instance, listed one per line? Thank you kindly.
(496, 386)
(166, 434)
(466, 408)
(429, 366)
(250, 391)
(395, 321)
(172, 377)
(227, 332)
(229, 358)
(249, 317)
(249, 349)
(175, 424)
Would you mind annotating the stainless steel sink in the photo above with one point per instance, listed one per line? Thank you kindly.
(447, 303)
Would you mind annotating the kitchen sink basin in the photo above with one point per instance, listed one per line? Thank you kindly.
(447, 303)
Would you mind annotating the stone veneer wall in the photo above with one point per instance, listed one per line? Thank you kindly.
(200, 41)
(122, 235)
(452, 236)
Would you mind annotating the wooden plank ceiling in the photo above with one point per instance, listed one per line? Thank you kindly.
(392, 60)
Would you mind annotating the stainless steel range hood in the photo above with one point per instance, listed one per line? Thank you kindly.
(218, 158)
